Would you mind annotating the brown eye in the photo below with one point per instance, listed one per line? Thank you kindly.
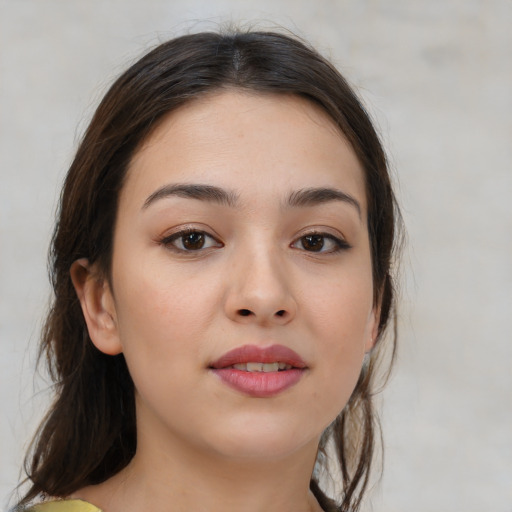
(313, 243)
(193, 241)
(321, 243)
(190, 241)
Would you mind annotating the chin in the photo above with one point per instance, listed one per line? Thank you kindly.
(264, 440)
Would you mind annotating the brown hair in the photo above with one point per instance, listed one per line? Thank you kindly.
(89, 432)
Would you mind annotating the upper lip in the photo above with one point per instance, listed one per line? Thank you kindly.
(258, 354)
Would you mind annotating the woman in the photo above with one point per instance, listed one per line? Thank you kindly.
(221, 268)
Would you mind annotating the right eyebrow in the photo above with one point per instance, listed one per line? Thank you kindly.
(194, 191)
(312, 196)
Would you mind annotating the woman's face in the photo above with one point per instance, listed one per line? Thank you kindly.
(241, 239)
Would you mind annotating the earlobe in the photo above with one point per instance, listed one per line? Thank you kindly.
(98, 306)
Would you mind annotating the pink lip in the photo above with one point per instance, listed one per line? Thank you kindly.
(259, 384)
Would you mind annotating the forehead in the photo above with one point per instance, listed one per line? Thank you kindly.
(246, 141)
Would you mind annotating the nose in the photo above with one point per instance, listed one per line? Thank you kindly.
(260, 290)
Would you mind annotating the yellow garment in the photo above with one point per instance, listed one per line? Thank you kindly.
(64, 506)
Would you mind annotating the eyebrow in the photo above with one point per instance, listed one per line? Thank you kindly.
(314, 196)
(302, 198)
(194, 191)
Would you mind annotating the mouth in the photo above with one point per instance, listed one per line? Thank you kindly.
(254, 358)
(260, 372)
(262, 367)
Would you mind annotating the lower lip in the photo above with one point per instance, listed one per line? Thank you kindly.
(259, 384)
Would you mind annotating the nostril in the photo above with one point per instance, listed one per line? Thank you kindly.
(244, 312)
(281, 312)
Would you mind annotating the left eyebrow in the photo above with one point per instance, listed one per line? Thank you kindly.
(194, 191)
(314, 196)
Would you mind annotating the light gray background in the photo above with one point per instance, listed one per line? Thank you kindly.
(437, 77)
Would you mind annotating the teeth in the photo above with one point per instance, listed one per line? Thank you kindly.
(256, 367)
(262, 367)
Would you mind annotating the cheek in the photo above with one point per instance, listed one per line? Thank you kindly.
(342, 308)
(162, 336)
(342, 317)
(162, 317)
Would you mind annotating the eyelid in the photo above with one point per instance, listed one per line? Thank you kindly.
(188, 228)
(338, 239)
(168, 239)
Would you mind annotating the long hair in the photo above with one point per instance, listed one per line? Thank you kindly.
(89, 433)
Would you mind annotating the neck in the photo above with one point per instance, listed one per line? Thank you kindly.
(183, 479)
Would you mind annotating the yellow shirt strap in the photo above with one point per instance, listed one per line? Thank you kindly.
(64, 506)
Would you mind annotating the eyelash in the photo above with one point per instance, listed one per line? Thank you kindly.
(339, 243)
(169, 242)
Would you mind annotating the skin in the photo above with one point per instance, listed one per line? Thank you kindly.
(201, 444)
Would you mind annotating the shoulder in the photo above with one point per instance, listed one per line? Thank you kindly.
(63, 506)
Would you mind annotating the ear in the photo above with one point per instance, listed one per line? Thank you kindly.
(374, 328)
(98, 306)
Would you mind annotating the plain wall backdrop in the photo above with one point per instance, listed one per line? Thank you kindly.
(437, 78)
